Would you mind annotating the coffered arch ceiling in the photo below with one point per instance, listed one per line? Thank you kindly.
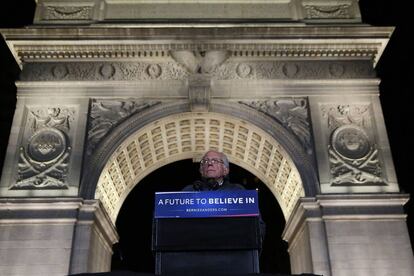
(189, 135)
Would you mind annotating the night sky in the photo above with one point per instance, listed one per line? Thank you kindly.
(395, 70)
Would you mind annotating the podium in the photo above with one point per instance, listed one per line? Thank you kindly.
(218, 238)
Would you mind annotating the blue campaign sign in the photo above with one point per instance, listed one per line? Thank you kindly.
(206, 204)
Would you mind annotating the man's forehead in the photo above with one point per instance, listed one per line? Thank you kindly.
(212, 154)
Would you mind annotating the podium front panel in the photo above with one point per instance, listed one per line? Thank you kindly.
(207, 262)
(206, 232)
(236, 233)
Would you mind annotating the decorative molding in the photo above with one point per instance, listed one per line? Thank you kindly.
(186, 53)
(257, 70)
(106, 114)
(353, 154)
(284, 41)
(101, 71)
(67, 12)
(292, 113)
(229, 70)
(44, 155)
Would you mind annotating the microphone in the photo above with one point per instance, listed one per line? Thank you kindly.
(212, 184)
(205, 185)
(198, 185)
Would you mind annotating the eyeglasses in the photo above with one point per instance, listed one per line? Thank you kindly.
(213, 161)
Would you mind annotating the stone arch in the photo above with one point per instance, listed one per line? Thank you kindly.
(170, 132)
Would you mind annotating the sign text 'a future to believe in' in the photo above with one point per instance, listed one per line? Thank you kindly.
(206, 204)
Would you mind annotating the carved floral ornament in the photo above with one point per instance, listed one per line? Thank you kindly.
(328, 11)
(103, 71)
(353, 156)
(44, 155)
(229, 69)
(67, 12)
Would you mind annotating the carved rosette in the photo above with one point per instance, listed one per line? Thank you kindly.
(292, 113)
(243, 70)
(44, 155)
(101, 71)
(353, 156)
(229, 70)
(262, 70)
(107, 114)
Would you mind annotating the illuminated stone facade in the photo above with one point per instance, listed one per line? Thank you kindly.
(290, 98)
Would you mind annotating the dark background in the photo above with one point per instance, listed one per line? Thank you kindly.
(395, 70)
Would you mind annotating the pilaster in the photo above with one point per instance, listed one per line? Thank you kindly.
(45, 152)
(351, 143)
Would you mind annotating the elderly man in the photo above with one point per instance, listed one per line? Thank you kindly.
(214, 170)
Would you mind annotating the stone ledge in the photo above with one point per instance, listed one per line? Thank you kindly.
(47, 44)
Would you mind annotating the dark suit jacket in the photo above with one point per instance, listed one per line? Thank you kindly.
(204, 185)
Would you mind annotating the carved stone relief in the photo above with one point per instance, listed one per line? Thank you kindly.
(203, 62)
(292, 113)
(217, 67)
(107, 71)
(293, 70)
(106, 114)
(353, 155)
(290, 70)
(67, 13)
(149, 11)
(153, 71)
(45, 151)
(95, 71)
(243, 70)
(341, 11)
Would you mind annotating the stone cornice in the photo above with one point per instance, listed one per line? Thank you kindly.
(345, 207)
(120, 43)
(57, 210)
(196, 31)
